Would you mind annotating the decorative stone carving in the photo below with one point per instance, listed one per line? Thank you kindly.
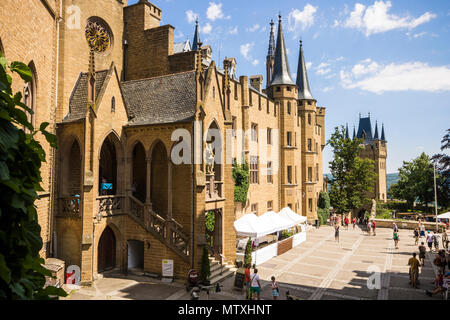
(210, 156)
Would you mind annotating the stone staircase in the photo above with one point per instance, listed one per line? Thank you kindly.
(220, 273)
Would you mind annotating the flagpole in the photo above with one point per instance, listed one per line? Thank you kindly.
(435, 199)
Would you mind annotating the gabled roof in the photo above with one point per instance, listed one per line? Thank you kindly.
(161, 100)
(78, 103)
(182, 47)
(281, 70)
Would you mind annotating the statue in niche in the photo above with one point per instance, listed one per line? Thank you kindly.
(210, 156)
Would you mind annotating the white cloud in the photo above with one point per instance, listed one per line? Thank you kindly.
(246, 50)
(206, 29)
(309, 65)
(377, 19)
(412, 76)
(301, 19)
(214, 12)
(179, 35)
(327, 89)
(254, 28)
(322, 69)
(233, 30)
(191, 16)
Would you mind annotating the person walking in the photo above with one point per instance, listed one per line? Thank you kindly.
(395, 227)
(248, 293)
(436, 241)
(396, 239)
(275, 289)
(422, 253)
(416, 236)
(430, 241)
(414, 270)
(256, 286)
(346, 222)
(422, 230)
(354, 223)
(336, 233)
(374, 228)
(445, 240)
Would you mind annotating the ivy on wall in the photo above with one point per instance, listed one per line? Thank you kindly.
(241, 176)
(22, 275)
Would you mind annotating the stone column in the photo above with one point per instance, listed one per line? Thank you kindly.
(149, 180)
(169, 191)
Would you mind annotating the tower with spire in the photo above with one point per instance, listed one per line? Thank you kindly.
(270, 61)
(312, 119)
(374, 148)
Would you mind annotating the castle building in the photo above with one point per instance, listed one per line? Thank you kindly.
(135, 114)
(375, 148)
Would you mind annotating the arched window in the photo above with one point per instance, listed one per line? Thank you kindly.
(29, 93)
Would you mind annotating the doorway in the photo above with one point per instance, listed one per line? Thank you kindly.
(107, 251)
(135, 255)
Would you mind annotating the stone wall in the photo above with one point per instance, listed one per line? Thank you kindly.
(408, 225)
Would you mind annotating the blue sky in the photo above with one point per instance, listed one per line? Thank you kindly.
(389, 58)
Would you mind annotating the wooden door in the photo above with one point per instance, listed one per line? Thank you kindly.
(107, 251)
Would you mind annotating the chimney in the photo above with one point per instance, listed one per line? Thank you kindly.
(256, 82)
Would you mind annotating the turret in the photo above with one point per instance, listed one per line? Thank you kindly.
(195, 43)
(304, 92)
(377, 136)
(383, 136)
(281, 72)
(270, 55)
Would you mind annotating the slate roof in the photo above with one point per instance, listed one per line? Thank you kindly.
(182, 47)
(365, 126)
(281, 70)
(166, 99)
(79, 98)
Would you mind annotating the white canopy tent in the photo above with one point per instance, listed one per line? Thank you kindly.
(273, 219)
(288, 214)
(251, 226)
(444, 216)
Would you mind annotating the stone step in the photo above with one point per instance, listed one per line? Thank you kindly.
(224, 276)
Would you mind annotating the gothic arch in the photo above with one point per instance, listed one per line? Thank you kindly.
(110, 165)
(139, 172)
(30, 93)
(159, 178)
(71, 157)
(218, 153)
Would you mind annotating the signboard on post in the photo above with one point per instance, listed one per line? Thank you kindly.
(167, 270)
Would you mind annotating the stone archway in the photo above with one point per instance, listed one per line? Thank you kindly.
(159, 180)
(107, 251)
(139, 178)
(108, 168)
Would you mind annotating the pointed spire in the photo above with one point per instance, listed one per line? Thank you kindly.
(271, 53)
(383, 136)
(281, 73)
(304, 92)
(377, 136)
(195, 43)
(347, 133)
(354, 133)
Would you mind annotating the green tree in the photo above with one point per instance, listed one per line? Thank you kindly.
(353, 177)
(248, 253)
(22, 276)
(416, 181)
(323, 211)
(442, 162)
(205, 271)
(241, 176)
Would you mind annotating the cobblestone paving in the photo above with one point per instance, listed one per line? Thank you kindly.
(319, 269)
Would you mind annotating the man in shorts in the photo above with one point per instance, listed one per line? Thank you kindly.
(414, 270)
(256, 286)
(422, 252)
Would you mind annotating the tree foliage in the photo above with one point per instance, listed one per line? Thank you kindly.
(22, 276)
(442, 162)
(248, 253)
(416, 181)
(323, 211)
(205, 271)
(241, 176)
(353, 177)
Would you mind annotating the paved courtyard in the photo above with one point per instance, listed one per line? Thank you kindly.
(319, 269)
